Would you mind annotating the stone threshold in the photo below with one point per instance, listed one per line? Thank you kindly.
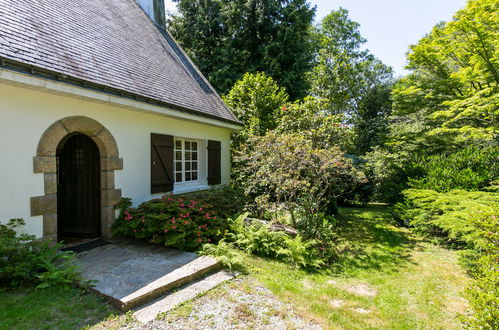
(132, 273)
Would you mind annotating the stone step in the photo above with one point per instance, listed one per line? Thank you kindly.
(166, 303)
(132, 273)
(180, 276)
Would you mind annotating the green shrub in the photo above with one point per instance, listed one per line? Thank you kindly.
(257, 239)
(171, 221)
(446, 214)
(224, 201)
(469, 169)
(483, 292)
(225, 253)
(25, 261)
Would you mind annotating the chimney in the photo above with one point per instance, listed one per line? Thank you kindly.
(155, 9)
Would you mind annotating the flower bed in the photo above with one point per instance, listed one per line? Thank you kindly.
(170, 221)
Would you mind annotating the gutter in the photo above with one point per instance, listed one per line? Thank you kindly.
(43, 73)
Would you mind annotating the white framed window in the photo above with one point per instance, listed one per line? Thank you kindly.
(186, 160)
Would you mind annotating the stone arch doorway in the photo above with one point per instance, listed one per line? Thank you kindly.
(78, 188)
(45, 162)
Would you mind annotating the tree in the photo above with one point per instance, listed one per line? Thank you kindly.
(452, 90)
(228, 38)
(353, 80)
(256, 100)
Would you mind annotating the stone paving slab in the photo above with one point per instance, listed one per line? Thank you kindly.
(131, 273)
(149, 312)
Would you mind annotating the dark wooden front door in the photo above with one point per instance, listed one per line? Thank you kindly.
(78, 189)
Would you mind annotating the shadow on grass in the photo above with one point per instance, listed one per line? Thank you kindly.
(369, 240)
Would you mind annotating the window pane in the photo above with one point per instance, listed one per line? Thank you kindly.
(178, 166)
(178, 177)
(188, 166)
(187, 155)
(194, 166)
(194, 176)
(194, 146)
(194, 156)
(187, 145)
(178, 144)
(188, 176)
(178, 155)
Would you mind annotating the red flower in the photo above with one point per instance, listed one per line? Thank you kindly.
(186, 222)
(135, 230)
(199, 234)
(182, 205)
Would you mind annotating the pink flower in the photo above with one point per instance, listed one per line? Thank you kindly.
(170, 199)
(199, 234)
(186, 222)
(200, 209)
(215, 217)
(199, 240)
(207, 215)
(128, 216)
(174, 227)
(182, 205)
(166, 230)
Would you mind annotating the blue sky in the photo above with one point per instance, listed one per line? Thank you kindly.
(390, 26)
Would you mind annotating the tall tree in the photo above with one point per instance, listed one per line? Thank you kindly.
(229, 38)
(354, 82)
(450, 99)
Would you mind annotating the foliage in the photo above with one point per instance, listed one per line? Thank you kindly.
(255, 238)
(25, 261)
(483, 292)
(447, 214)
(310, 118)
(287, 170)
(351, 79)
(224, 201)
(170, 221)
(225, 253)
(450, 98)
(256, 100)
(471, 168)
(228, 38)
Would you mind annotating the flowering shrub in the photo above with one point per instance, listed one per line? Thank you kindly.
(170, 221)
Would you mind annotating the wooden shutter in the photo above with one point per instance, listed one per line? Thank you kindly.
(214, 162)
(161, 163)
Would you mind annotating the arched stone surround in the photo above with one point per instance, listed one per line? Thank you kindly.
(46, 162)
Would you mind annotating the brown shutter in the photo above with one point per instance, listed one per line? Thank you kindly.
(161, 163)
(214, 161)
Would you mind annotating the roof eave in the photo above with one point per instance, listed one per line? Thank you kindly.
(40, 72)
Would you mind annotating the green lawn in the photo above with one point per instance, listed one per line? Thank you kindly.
(410, 283)
(51, 308)
(385, 278)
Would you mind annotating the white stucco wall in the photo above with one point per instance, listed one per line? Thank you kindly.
(26, 113)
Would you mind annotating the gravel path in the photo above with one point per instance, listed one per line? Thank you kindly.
(240, 304)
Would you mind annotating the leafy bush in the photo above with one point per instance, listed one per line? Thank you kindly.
(289, 172)
(257, 239)
(170, 221)
(224, 201)
(483, 292)
(446, 214)
(25, 261)
(225, 253)
(469, 169)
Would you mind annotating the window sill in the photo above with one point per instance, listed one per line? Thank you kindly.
(183, 188)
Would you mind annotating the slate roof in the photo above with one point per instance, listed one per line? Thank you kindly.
(111, 43)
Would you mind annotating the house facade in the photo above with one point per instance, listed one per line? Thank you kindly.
(98, 102)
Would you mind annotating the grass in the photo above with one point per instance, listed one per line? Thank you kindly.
(385, 278)
(417, 284)
(51, 308)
